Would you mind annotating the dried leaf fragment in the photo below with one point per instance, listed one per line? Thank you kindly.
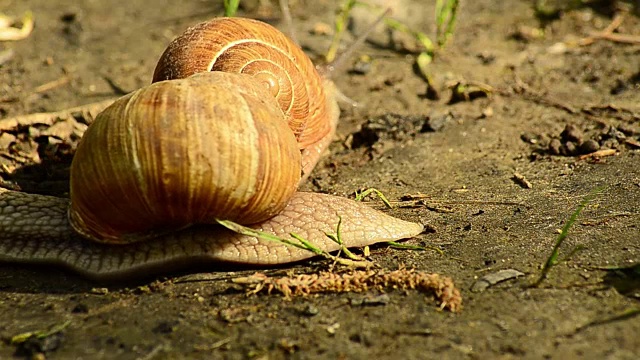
(10, 33)
(357, 281)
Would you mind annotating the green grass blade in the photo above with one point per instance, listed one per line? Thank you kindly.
(446, 15)
(552, 260)
(340, 25)
(306, 244)
(401, 246)
(241, 229)
(231, 7)
(362, 194)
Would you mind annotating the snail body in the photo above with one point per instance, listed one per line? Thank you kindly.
(164, 163)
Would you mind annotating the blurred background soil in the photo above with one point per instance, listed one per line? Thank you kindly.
(496, 163)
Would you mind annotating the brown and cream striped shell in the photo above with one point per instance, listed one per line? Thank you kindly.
(258, 49)
(213, 145)
(181, 152)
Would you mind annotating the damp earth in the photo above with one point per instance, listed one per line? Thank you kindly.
(528, 113)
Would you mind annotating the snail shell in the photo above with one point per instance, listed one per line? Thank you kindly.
(176, 153)
(258, 49)
(179, 152)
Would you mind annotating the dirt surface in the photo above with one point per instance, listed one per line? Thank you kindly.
(483, 219)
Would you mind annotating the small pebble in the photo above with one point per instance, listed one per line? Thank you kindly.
(589, 146)
(363, 337)
(619, 87)
(80, 309)
(611, 132)
(379, 300)
(555, 147)
(6, 55)
(633, 143)
(361, 67)
(571, 133)
(486, 57)
(6, 140)
(435, 122)
(310, 310)
(494, 278)
(610, 144)
(321, 28)
(487, 112)
(628, 129)
(530, 138)
(558, 48)
(165, 327)
(333, 328)
(569, 148)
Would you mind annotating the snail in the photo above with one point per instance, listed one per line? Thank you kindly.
(235, 119)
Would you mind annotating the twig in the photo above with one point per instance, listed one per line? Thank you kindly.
(598, 154)
(608, 33)
(151, 354)
(52, 85)
(216, 345)
(621, 38)
(336, 63)
(20, 159)
(592, 112)
(117, 89)
(288, 20)
(88, 112)
(624, 315)
(611, 110)
(421, 197)
(397, 245)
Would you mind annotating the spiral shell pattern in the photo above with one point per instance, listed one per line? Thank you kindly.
(255, 48)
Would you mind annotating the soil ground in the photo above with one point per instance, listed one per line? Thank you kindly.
(482, 219)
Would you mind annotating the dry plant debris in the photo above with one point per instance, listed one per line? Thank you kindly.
(609, 33)
(494, 278)
(10, 33)
(86, 112)
(356, 281)
(522, 181)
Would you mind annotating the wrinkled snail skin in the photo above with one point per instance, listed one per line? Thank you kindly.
(37, 229)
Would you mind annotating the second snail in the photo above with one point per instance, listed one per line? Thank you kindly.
(236, 119)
